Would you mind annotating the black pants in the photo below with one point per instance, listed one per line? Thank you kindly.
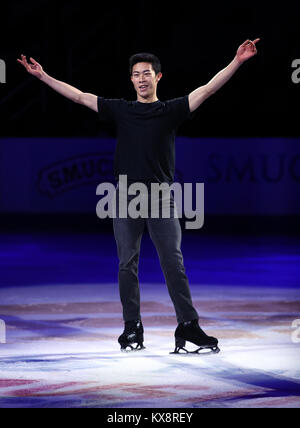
(166, 235)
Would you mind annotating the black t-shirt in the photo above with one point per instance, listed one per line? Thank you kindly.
(146, 132)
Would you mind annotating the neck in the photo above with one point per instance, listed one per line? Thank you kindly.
(151, 99)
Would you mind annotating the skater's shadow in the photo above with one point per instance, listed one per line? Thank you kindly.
(272, 385)
(58, 362)
(43, 328)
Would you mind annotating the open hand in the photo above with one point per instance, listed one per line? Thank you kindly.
(247, 50)
(34, 68)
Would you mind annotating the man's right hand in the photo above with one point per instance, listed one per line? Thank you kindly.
(68, 91)
(35, 68)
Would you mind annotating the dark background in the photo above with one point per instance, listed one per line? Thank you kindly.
(87, 44)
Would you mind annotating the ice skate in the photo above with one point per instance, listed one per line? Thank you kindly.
(133, 335)
(191, 332)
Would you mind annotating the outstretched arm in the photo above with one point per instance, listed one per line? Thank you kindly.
(68, 91)
(244, 52)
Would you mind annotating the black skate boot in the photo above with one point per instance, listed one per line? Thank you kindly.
(133, 334)
(191, 332)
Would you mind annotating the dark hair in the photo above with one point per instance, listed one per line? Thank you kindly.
(145, 57)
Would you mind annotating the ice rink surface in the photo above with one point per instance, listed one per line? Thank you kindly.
(61, 345)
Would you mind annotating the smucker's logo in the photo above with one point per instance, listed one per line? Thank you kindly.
(75, 172)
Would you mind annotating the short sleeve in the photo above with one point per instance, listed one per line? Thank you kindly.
(108, 109)
(180, 110)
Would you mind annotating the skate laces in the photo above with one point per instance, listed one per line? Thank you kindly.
(187, 323)
(190, 323)
(130, 326)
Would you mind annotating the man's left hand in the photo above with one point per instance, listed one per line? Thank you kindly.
(246, 50)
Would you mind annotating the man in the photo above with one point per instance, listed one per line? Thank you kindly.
(145, 153)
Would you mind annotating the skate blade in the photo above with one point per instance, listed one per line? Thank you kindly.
(207, 350)
(132, 349)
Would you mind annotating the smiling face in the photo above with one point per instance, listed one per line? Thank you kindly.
(145, 81)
